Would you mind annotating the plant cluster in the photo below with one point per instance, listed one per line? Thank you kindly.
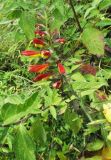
(60, 107)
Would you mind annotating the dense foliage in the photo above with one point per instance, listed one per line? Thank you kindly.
(55, 80)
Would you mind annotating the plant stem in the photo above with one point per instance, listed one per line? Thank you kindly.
(85, 111)
(75, 15)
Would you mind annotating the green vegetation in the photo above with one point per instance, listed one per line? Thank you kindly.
(55, 80)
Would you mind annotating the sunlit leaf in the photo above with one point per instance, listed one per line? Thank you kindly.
(27, 23)
(38, 132)
(93, 40)
(24, 146)
(95, 145)
(107, 111)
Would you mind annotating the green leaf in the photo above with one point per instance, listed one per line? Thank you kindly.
(11, 112)
(14, 99)
(86, 88)
(24, 145)
(52, 97)
(62, 156)
(95, 145)
(38, 132)
(104, 23)
(104, 4)
(93, 40)
(73, 120)
(27, 23)
(53, 112)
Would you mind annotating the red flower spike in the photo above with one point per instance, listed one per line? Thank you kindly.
(88, 69)
(57, 84)
(40, 33)
(45, 53)
(42, 76)
(38, 68)
(60, 40)
(38, 41)
(30, 53)
(61, 68)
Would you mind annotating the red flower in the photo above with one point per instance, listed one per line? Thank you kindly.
(40, 33)
(57, 84)
(60, 40)
(38, 42)
(61, 68)
(46, 53)
(42, 76)
(30, 53)
(38, 68)
(88, 69)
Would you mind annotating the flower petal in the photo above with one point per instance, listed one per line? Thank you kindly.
(38, 68)
(60, 40)
(45, 53)
(40, 33)
(57, 84)
(61, 68)
(38, 41)
(30, 53)
(42, 76)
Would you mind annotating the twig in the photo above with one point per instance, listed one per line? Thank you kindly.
(75, 15)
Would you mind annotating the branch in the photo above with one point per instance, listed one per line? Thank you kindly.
(75, 15)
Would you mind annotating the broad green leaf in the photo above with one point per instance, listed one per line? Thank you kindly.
(105, 4)
(104, 23)
(60, 14)
(93, 40)
(53, 112)
(95, 145)
(14, 99)
(87, 88)
(27, 23)
(24, 146)
(52, 97)
(38, 132)
(11, 112)
(73, 120)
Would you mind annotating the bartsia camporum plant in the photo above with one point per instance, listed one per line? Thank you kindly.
(42, 45)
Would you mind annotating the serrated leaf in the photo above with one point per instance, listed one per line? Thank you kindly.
(27, 23)
(38, 132)
(95, 145)
(93, 40)
(24, 146)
